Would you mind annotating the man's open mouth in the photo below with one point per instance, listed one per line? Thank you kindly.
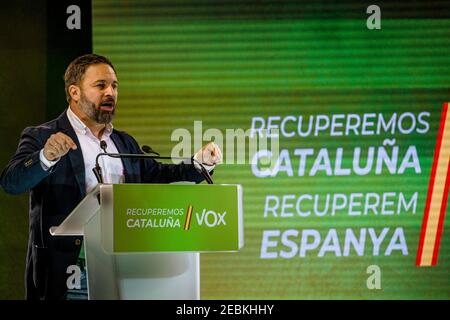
(107, 106)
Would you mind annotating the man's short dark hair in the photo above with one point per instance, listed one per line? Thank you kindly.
(77, 68)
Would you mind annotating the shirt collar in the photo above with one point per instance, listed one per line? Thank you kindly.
(81, 128)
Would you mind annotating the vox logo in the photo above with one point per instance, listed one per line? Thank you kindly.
(211, 218)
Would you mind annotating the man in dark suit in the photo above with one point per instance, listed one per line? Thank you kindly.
(54, 163)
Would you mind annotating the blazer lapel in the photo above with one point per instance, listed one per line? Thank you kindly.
(121, 148)
(75, 156)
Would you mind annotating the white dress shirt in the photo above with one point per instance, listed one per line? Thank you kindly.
(112, 168)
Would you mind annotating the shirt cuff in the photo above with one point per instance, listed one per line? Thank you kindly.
(197, 165)
(46, 164)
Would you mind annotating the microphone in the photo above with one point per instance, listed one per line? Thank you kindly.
(203, 171)
(148, 149)
(97, 169)
(103, 145)
(98, 172)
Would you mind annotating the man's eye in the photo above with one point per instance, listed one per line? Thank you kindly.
(101, 85)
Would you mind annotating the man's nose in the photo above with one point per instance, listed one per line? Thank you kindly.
(109, 91)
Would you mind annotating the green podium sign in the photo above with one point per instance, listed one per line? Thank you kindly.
(177, 217)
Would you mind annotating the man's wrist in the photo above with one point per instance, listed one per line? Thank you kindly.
(45, 163)
(197, 164)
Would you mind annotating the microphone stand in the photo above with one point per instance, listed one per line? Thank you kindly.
(98, 172)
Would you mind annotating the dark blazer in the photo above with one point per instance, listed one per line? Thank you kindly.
(55, 193)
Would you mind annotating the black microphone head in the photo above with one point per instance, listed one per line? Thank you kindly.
(103, 145)
(98, 173)
(148, 149)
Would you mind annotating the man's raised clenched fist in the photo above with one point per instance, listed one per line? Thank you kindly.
(57, 146)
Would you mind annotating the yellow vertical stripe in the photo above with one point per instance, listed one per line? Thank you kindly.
(187, 223)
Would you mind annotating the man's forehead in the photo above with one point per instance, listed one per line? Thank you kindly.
(101, 71)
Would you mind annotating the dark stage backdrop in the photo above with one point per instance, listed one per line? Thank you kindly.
(36, 47)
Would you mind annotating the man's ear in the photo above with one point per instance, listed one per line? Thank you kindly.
(75, 92)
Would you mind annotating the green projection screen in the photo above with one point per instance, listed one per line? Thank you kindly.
(353, 205)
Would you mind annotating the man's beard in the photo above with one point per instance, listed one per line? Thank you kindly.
(97, 115)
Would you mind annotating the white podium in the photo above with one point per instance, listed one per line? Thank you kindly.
(114, 276)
